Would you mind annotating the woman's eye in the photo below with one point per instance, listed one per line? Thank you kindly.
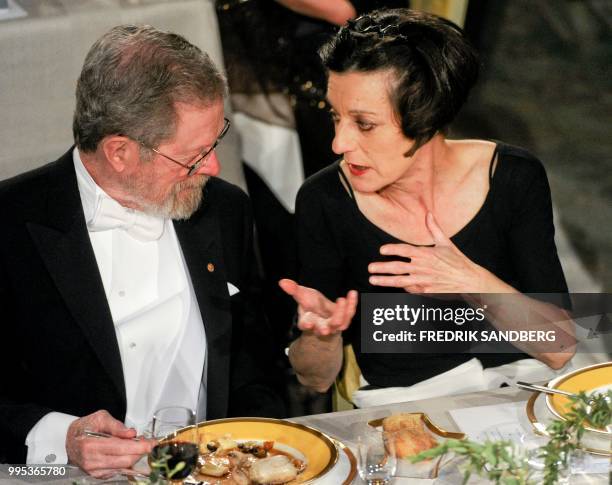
(365, 126)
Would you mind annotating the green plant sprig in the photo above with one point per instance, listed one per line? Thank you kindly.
(566, 435)
(504, 464)
(496, 460)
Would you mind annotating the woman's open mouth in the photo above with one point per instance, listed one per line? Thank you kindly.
(357, 170)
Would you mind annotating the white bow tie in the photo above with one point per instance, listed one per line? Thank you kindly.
(109, 214)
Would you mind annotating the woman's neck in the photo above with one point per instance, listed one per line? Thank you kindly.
(414, 192)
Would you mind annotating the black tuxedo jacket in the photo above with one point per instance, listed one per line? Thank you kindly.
(60, 352)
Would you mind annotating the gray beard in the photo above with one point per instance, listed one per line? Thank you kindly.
(180, 204)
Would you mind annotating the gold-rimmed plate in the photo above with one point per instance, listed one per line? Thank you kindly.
(347, 466)
(540, 416)
(316, 448)
(594, 378)
(429, 424)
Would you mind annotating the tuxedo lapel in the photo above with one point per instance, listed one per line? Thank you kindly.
(61, 238)
(200, 240)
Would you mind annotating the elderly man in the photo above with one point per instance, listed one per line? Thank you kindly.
(125, 265)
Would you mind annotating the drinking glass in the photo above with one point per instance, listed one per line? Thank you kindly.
(175, 427)
(376, 457)
(531, 445)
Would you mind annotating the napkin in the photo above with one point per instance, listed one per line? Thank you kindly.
(467, 377)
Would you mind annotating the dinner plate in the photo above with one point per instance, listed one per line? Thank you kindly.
(345, 470)
(540, 416)
(594, 378)
(318, 449)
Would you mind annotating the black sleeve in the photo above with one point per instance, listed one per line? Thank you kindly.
(532, 233)
(18, 413)
(255, 373)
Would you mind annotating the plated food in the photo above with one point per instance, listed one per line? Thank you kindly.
(540, 416)
(591, 379)
(542, 409)
(240, 451)
(229, 462)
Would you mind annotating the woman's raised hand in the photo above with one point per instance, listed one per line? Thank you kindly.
(441, 268)
(316, 313)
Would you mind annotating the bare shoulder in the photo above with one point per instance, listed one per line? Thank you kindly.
(470, 160)
(472, 154)
(476, 157)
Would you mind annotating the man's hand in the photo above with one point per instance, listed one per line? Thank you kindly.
(103, 457)
(318, 314)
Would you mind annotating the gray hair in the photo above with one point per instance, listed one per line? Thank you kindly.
(131, 79)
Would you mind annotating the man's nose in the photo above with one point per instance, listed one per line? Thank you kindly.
(211, 166)
(343, 140)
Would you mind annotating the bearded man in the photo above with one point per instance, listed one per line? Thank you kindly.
(125, 265)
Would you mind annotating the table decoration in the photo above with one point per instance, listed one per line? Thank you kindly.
(540, 416)
(503, 462)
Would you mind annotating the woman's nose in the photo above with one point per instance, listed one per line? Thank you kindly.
(343, 140)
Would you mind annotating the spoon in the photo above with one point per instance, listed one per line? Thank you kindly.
(547, 390)
(550, 390)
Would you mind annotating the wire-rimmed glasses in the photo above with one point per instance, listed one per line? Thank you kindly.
(202, 159)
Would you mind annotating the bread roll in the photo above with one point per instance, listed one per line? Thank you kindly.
(409, 434)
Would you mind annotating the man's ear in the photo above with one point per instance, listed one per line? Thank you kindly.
(121, 152)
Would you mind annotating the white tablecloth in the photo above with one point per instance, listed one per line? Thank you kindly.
(346, 426)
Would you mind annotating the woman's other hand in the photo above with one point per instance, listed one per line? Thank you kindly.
(441, 268)
(318, 314)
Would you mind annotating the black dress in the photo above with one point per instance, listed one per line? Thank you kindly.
(512, 235)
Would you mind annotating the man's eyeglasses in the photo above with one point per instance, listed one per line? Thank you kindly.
(198, 163)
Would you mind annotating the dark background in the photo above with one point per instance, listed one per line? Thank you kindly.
(546, 85)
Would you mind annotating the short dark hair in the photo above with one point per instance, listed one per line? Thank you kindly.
(131, 79)
(434, 64)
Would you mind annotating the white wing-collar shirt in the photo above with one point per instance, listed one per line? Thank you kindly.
(157, 321)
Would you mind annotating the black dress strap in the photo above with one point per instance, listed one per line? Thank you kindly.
(346, 181)
(492, 163)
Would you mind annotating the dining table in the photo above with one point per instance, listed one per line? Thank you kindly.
(345, 426)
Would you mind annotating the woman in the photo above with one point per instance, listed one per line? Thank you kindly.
(410, 210)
